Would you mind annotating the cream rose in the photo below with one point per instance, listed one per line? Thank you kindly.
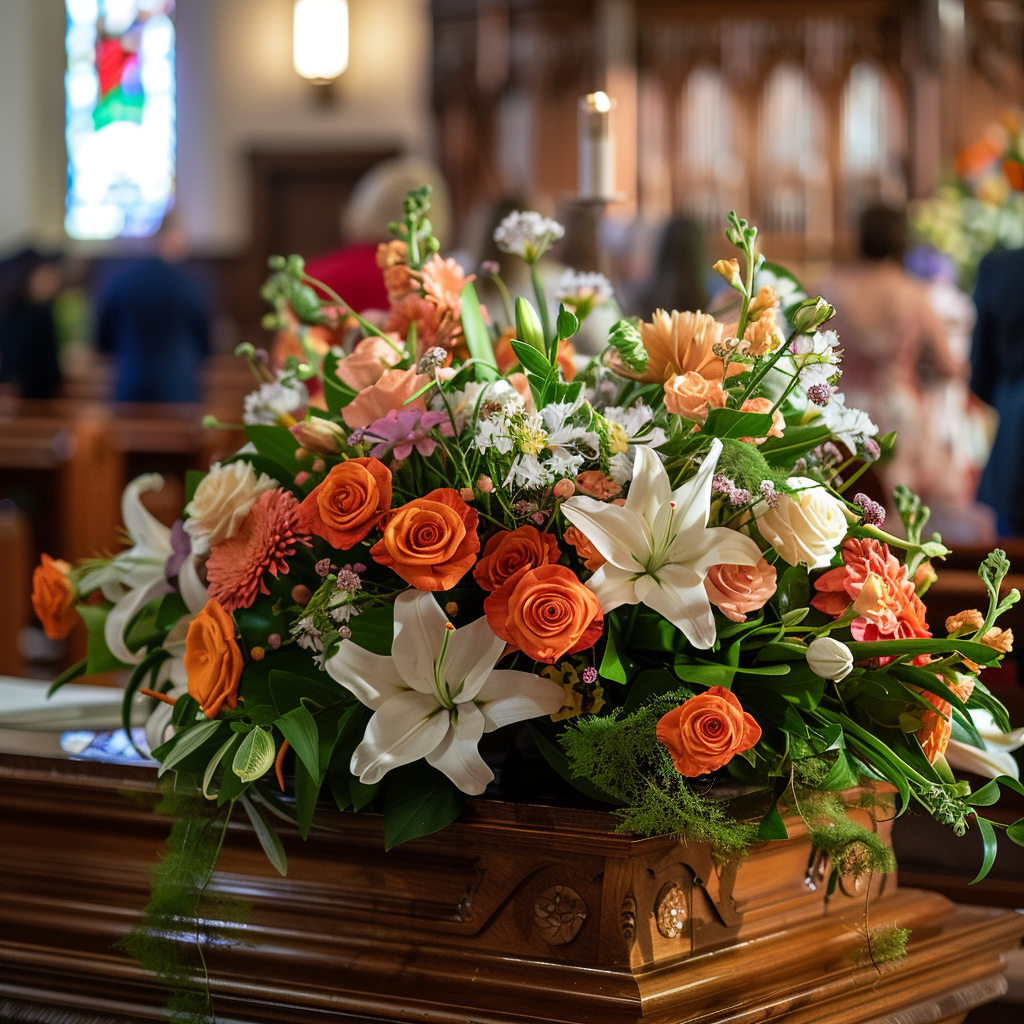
(805, 528)
(221, 502)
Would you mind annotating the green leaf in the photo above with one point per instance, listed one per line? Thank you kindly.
(560, 763)
(340, 791)
(567, 324)
(532, 360)
(307, 791)
(772, 826)
(299, 729)
(477, 339)
(794, 590)
(361, 794)
(289, 689)
(733, 423)
(1015, 832)
(374, 629)
(611, 665)
(267, 836)
(336, 393)
(986, 796)
(98, 657)
(841, 775)
(419, 801)
(651, 682)
(170, 610)
(885, 648)
(797, 442)
(211, 767)
(148, 666)
(255, 756)
(988, 835)
(143, 631)
(982, 697)
(76, 670)
(188, 741)
(277, 444)
(804, 689)
(193, 478)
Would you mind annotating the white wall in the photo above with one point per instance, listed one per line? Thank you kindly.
(237, 91)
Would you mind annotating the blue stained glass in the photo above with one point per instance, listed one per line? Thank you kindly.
(120, 116)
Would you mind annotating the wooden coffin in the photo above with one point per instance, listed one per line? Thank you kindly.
(514, 914)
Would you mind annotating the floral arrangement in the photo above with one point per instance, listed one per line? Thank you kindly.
(981, 205)
(651, 577)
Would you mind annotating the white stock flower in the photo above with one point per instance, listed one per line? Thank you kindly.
(620, 467)
(221, 502)
(436, 694)
(658, 545)
(526, 233)
(577, 287)
(996, 759)
(273, 401)
(850, 426)
(804, 528)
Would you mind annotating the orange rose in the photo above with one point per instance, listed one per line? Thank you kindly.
(213, 661)
(764, 405)
(707, 731)
(592, 558)
(53, 597)
(511, 550)
(595, 484)
(431, 542)
(737, 589)
(545, 612)
(692, 396)
(349, 503)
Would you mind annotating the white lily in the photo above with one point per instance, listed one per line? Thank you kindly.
(436, 694)
(158, 725)
(135, 577)
(996, 759)
(658, 545)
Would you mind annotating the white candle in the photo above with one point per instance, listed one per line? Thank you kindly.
(596, 147)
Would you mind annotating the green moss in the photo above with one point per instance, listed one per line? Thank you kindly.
(884, 947)
(746, 466)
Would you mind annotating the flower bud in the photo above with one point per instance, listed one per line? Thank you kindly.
(625, 338)
(528, 329)
(811, 314)
(318, 435)
(564, 489)
(730, 270)
(466, 493)
(829, 658)
(485, 485)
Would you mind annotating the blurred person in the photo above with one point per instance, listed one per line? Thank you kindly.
(677, 277)
(153, 318)
(351, 270)
(997, 377)
(29, 284)
(897, 358)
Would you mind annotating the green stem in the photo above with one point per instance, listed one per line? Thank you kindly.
(363, 322)
(506, 299)
(542, 303)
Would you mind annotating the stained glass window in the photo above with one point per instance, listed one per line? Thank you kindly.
(120, 116)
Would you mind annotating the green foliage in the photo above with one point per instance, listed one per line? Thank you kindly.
(745, 465)
(477, 339)
(883, 946)
(420, 800)
(625, 338)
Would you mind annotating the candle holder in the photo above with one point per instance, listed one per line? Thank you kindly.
(596, 148)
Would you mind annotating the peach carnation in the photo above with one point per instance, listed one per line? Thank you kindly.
(443, 281)
(936, 726)
(269, 535)
(595, 484)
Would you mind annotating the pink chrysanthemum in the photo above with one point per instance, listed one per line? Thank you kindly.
(268, 536)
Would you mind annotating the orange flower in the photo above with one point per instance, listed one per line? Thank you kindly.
(737, 589)
(567, 359)
(1000, 640)
(390, 392)
(545, 612)
(398, 278)
(971, 618)
(431, 542)
(763, 335)
(692, 396)
(936, 726)
(268, 536)
(676, 343)
(765, 300)
(349, 503)
(706, 732)
(53, 597)
(1014, 171)
(368, 361)
(443, 281)
(510, 551)
(592, 558)
(764, 405)
(213, 661)
(595, 484)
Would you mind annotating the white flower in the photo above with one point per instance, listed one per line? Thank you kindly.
(565, 438)
(436, 695)
(221, 502)
(822, 347)
(805, 528)
(620, 466)
(345, 610)
(158, 726)
(633, 421)
(528, 471)
(273, 402)
(829, 658)
(658, 545)
(526, 233)
(578, 288)
(494, 432)
(465, 404)
(815, 374)
(850, 426)
(995, 759)
(307, 635)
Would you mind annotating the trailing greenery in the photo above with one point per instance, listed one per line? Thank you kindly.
(181, 916)
(883, 947)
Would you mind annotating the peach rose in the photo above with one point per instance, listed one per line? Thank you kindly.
(368, 361)
(431, 542)
(707, 731)
(545, 612)
(349, 503)
(764, 405)
(595, 484)
(692, 396)
(390, 392)
(213, 662)
(592, 558)
(736, 590)
(53, 597)
(510, 551)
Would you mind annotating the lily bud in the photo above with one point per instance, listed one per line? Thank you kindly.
(319, 435)
(625, 338)
(811, 314)
(829, 658)
(730, 270)
(528, 329)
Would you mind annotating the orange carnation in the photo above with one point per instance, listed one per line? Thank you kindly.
(213, 661)
(545, 612)
(431, 542)
(510, 551)
(349, 503)
(707, 731)
(53, 597)
(692, 396)
(736, 590)
(936, 726)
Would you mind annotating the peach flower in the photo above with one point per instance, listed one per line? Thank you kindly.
(504, 355)
(368, 361)
(692, 396)
(969, 619)
(566, 359)
(545, 612)
(594, 484)
(53, 597)
(591, 557)
(736, 590)
(443, 281)
(763, 335)
(706, 732)
(676, 343)
(213, 662)
(390, 392)
(509, 551)
(398, 279)
(764, 405)
(349, 503)
(431, 542)
(936, 726)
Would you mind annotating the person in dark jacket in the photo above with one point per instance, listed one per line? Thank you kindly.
(154, 319)
(997, 377)
(29, 282)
